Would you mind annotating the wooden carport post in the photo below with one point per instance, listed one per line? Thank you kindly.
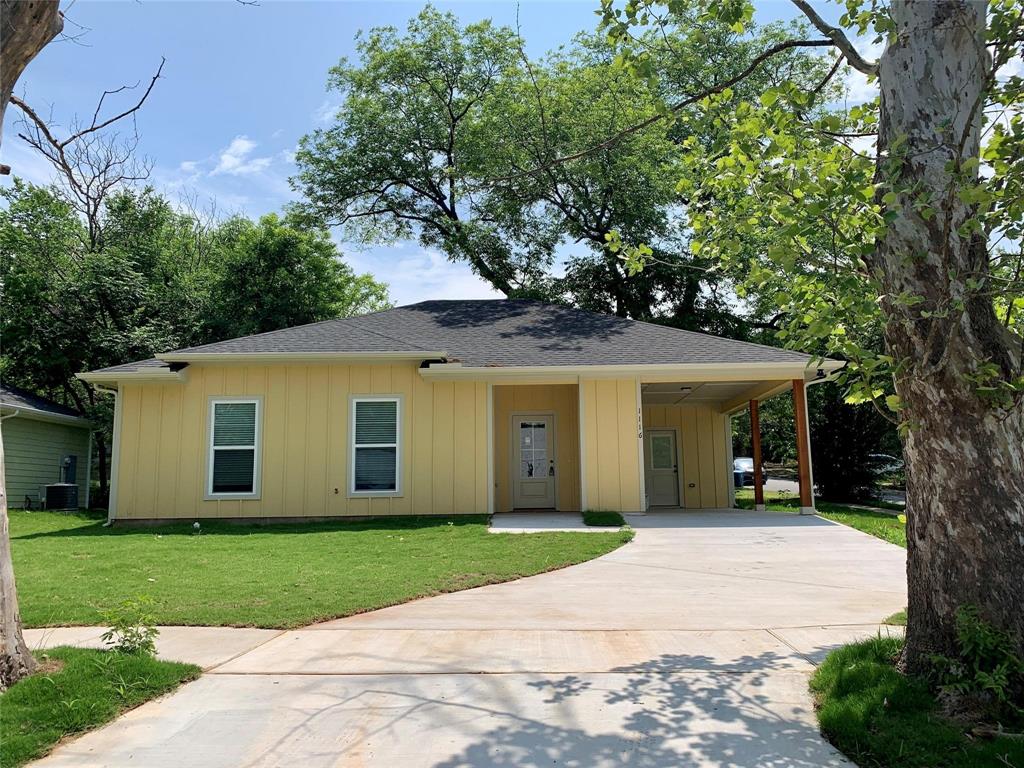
(803, 448)
(755, 441)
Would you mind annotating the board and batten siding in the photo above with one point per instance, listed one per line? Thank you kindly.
(33, 450)
(612, 453)
(304, 442)
(701, 441)
(558, 399)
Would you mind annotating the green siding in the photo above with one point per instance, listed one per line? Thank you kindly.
(33, 450)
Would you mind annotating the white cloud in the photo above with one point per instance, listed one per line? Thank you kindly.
(188, 166)
(26, 163)
(236, 159)
(324, 114)
(859, 90)
(1013, 68)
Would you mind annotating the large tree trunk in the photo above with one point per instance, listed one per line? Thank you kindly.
(26, 26)
(15, 658)
(965, 457)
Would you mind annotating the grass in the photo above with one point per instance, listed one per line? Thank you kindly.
(879, 717)
(76, 690)
(898, 619)
(597, 517)
(70, 569)
(879, 524)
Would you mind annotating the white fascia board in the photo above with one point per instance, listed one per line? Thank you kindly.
(646, 373)
(24, 412)
(113, 377)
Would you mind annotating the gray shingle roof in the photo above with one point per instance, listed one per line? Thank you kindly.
(14, 397)
(152, 364)
(501, 333)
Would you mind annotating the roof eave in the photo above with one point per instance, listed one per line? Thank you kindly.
(22, 411)
(647, 372)
(141, 374)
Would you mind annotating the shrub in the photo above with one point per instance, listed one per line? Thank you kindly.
(986, 678)
(599, 518)
(132, 627)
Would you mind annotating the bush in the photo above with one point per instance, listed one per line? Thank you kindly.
(599, 518)
(986, 678)
(132, 627)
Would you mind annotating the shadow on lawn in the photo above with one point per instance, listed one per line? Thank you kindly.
(249, 528)
(669, 712)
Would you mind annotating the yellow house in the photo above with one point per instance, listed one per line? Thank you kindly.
(439, 408)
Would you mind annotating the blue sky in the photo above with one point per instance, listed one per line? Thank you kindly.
(241, 85)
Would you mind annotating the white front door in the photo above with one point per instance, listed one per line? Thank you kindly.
(533, 462)
(662, 468)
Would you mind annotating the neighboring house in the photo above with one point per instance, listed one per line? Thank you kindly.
(44, 443)
(442, 407)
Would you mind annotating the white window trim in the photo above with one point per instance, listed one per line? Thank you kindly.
(397, 445)
(257, 463)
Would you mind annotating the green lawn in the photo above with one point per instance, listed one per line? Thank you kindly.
(70, 569)
(880, 524)
(76, 690)
(879, 717)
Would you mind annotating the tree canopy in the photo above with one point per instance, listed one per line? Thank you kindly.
(439, 128)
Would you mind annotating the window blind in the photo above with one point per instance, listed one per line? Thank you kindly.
(375, 446)
(233, 463)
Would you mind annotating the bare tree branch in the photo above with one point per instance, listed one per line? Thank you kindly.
(839, 39)
(25, 29)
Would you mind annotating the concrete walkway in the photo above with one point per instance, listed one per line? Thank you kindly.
(691, 646)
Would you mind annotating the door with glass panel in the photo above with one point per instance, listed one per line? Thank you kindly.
(533, 461)
(661, 473)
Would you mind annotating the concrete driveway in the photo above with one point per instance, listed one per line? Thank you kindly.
(691, 646)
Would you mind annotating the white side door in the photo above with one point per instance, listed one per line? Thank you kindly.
(533, 462)
(661, 471)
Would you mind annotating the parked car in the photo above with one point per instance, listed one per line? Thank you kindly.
(743, 472)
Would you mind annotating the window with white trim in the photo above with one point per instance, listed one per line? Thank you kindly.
(234, 447)
(376, 433)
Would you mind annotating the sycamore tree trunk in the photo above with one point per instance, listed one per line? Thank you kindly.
(15, 658)
(26, 26)
(964, 456)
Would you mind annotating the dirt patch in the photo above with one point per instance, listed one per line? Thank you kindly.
(48, 666)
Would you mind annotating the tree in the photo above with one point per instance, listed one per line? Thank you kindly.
(473, 136)
(275, 274)
(399, 159)
(844, 438)
(909, 235)
(25, 29)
